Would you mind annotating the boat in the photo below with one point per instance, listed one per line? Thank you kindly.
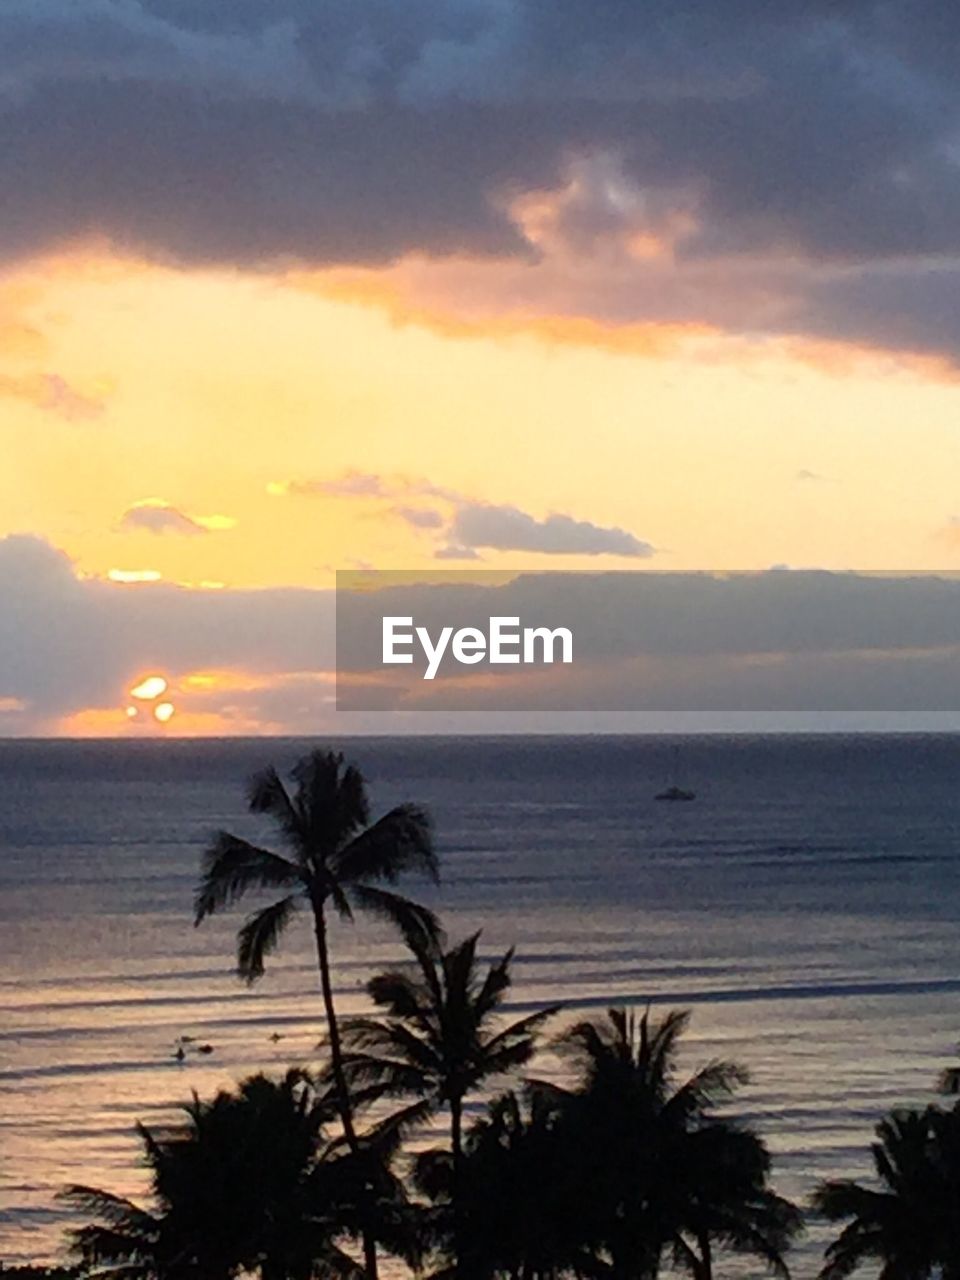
(675, 791)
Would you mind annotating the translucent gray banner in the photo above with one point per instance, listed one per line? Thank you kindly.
(779, 640)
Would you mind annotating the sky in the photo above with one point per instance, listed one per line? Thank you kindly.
(288, 287)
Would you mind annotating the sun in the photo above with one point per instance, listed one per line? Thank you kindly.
(150, 687)
(145, 708)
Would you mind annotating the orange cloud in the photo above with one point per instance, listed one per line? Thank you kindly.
(387, 292)
(431, 296)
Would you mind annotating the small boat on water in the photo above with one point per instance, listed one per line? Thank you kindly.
(675, 791)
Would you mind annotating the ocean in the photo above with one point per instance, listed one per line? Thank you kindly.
(805, 908)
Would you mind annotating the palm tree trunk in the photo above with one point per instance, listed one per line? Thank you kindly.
(456, 1132)
(705, 1270)
(340, 1079)
(456, 1148)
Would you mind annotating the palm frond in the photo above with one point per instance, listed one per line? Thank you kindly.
(259, 936)
(712, 1084)
(267, 794)
(401, 995)
(417, 924)
(387, 1135)
(331, 800)
(390, 1038)
(399, 842)
(522, 1028)
(232, 867)
(340, 900)
(494, 985)
(659, 1039)
(583, 1042)
(372, 1076)
(117, 1211)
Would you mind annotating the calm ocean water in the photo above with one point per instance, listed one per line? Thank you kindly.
(806, 908)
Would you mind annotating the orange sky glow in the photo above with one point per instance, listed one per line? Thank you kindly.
(227, 430)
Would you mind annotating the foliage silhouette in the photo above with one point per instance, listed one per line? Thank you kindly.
(911, 1224)
(251, 1182)
(332, 858)
(658, 1172)
(519, 1192)
(439, 1038)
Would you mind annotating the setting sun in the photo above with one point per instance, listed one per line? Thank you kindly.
(149, 688)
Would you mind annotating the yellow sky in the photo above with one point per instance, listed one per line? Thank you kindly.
(201, 390)
(124, 387)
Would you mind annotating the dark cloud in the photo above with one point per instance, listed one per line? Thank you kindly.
(817, 141)
(251, 131)
(510, 529)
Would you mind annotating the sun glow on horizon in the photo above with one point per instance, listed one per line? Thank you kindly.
(149, 688)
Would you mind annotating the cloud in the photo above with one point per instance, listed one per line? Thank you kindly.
(68, 643)
(51, 393)
(470, 525)
(452, 552)
(363, 484)
(123, 42)
(420, 517)
(352, 484)
(510, 529)
(783, 641)
(71, 646)
(159, 517)
(799, 159)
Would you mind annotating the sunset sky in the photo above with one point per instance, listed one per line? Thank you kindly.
(519, 284)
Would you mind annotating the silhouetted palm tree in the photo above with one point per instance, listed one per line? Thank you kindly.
(440, 1038)
(911, 1225)
(659, 1171)
(519, 1192)
(332, 857)
(250, 1183)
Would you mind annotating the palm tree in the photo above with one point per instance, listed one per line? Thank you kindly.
(438, 1040)
(658, 1170)
(519, 1191)
(332, 858)
(911, 1225)
(249, 1183)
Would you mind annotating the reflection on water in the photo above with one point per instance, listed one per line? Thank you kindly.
(805, 906)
